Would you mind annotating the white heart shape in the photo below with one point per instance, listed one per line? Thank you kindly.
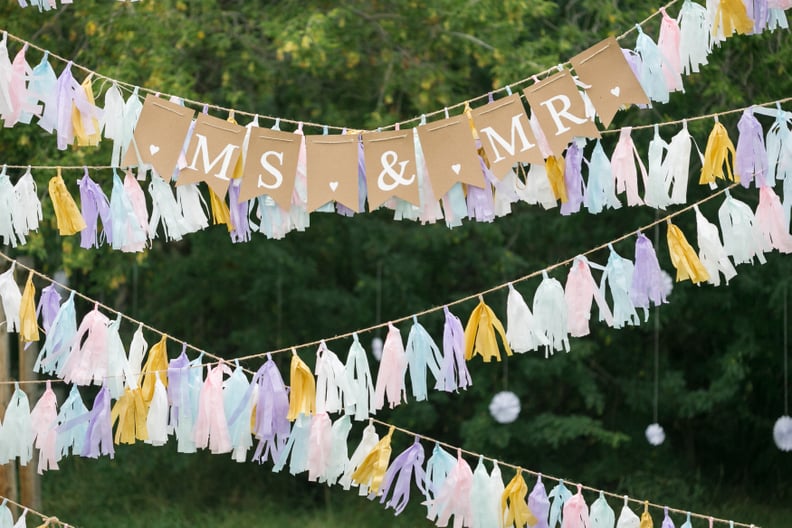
(615, 91)
(153, 149)
(333, 185)
(456, 167)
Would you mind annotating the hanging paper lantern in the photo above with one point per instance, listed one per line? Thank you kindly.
(782, 433)
(655, 434)
(505, 407)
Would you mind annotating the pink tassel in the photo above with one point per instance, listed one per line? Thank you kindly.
(138, 199)
(453, 498)
(579, 291)
(320, 445)
(22, 109)
(576, 513)
(87, 361)
(211, 427)
(44, 420)
(668, 42)
(771, 222)
(393, 366)
(623, 167)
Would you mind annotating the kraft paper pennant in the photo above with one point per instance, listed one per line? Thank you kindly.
(390, 167)
(450, 152)
(611, 81)
(560, 110)
(270, 166)
(506, 135)
(332, 171)
(159, 136)
(215, 147)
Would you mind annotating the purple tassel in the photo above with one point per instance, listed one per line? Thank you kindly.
(401, 470)
(94, 205)
(758, 12)
(271, 427)
(539, 504)
(647, 283)
(751, 154)
(48, 306)
(480, 201)
(239, 215)
(453, 372)
(573, 164)
(362, 188)
(99, 436)
(178, 390)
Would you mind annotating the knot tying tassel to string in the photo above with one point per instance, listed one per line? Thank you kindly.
(513, 504)
(67, 214)
(480, 338)
(371, 470)
(302, 398)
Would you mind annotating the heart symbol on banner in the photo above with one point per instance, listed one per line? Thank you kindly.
(615, 91)
(333, 185)
(456, 167)
(153, 149)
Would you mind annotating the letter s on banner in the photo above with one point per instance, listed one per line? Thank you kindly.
(271, 166)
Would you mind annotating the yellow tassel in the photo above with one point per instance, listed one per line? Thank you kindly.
(28, 322)
(131, 412)
(82, 138)
(555, 173)
(157, 361)
(732, 15)
(372, 470)
(220, 213)
(716, 155)
(646, 519)
(67, 213)
(515, 509)
(302, 397)
(480, 334)
(683, 257)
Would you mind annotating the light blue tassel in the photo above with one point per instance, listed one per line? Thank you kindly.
(601, 188)
(455, 206)
(44, 86)
(651, 74)
(619, 274)
(422, 352)
(57, 346)
(72, 438)
(485, 502)
(339, 454)
(601, 515)
(235, 391)
(560, 494)
(298, 445)
(16, 437)
(6, 519)
(438, 467)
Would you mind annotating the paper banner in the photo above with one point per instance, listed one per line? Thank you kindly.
(215, 147)
(506, 135)
(560, 110)
(159, 136)
(390, 167)
(611, 80)
(450, 153)
(332, 171)
(270, 166)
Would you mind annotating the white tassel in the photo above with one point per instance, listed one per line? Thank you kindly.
(521, 328)
(22, 520)
(741, 239)
(16, 437)
(536, 190)
(11, 298)
(339, 456)
(676, 166)
(367, 444)
(656, 190)
(7, 199)
(695, 42)
(26, 207)
(506, 194)
(550, 313)
(192, 206)
(165, 209)
(359, 381)
(711, 252)
(332, 386)
(117, 363)
(779, 150)
(6, 71)
(486, 501)
(137, 351)
(157, 419)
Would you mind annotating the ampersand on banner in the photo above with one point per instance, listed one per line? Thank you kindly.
(389, 159)
(390, 167)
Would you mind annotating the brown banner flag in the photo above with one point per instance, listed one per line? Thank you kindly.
(450, 152)
(159, 136)
(611, 80)
(332, 171)
(560, 110)
(214, 149)
(390, 167)
(506, 135)
(270, 165)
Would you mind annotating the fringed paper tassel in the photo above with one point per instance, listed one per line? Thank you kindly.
(361, 386)
(165, 210)
(332, 386)
(506, 194)
(371, 471)
(656, 191)
(86, 115)
(43, 421)
(28, 322)
(601, 515)
(182, 415)
(67, 214)
(238, 404)
(87, 361)
(128, 232)
(669, 42)
(648, 281)
(320, 445)
(454, 206)
(137, 350)
(485, 499)
(43, 88)
(392, 370)
(192, 207)
(695, 40)
(453, 499)
(239, 214)
(539, 503)
(579, 292)
(157, 362)
(480, 334)
(367, 443)
(132, 109)
(779, 149)
(211, 426)
(6, 105)
(399, 477)
(298, 215)
(646, 519)
(302, 398)
(513, 504)
(601, 190)
(422, 354)
(117, 362)
(480, 200)
(454, 373)
(550, 314)
(16, 436)
(521, 328)
(627, 518)
(772, 225)
(438, 467)
(559, 495)
(750, 158)
(130, 411)
(711, 252)
(623, 168)
(95, 205)
(297, 446)
(684, 258)
(67, 88)
(719, 147)
(730, 16)
(157, 417)
(667, 522)
(99, 434)
(339, 455)
(651, 76)
(573, 178)
(7, 233)
(676, 166)
(26, 207)
(220, 213)
(113, 120)
(431, 211)
(138, 200)
(537, 190)
(54, 351)
(71, 437)
(48, 307)
(619, 276)
(22, 108)
(554, 168)
(576, 512)
(741, 238)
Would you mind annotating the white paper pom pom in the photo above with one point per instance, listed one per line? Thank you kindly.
(782, 433)
(505, 407)
(655, 434)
